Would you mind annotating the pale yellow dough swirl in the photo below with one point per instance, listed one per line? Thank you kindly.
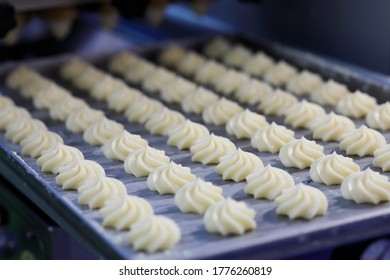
(171, 55)
(331, 127)
(217, 47)
(80, 120)
(237, 55)
(184, 135)
(245, 124)
(329, 93)
(366, 187)
(163, 121)
(72, 69)
(86, 80)
(72, 176)
(121, 99)
(158, 79)
(19, 76)
(169, 178)
(271, 138)
(121, 145)
(105, 87)
(197, 196)
(190, 63)
(277, 103)
(154, 233)
(356, 105)
(280, 73)
(196, 101)
(61, 155)
(101, 131)
(258, 64)
(238, 165)
(139, 71)
(9, 113)
(211, 148)
(301, 201)
(253, 92)
(176, 90)
(382, 158)
(304, 83)
(209, 72)
(122, 61)
(379, 117)
(142, 162)
(362, 141)
(39, 141)
(332, 169)
(97, 191)
(300, 115)
(221, 111)
(22, 128)
(123, 212)
(48, 97)
(230, 81)
(142, 109)
(62, 108)
(300, 153)
(268, 182)
(229, 217)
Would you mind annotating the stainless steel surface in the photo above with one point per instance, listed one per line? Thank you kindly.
(275, 236)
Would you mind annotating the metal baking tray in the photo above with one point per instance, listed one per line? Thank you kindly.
(275, 236)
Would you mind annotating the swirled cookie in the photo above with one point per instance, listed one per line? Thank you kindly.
(217, 47)
(142, 109)
(210, 149)
(21, 128)
(121, 145)
(331, 127)
(196, 101)
(72, 69)
(121, 62)
(253, 92)
(268, 182)
(271, 138)
(123, 212)
(229, 217)
(105, 87)
(300, 153)
(356, 105)
(332, 169)
(301, 201)
(5, 102)
(62, 108)
(97, 191)
(121, 99)
(304, 83)
(366, 187)
(190, 63)
(47, 97)
(171, 55)
(277, 103)
(280, 73)
(197, 196)
(221, 111)
(79, 120)
(237, 165)
(86, 80)
(237, 55)
(362, 141)
(157, 79)
(35, 84)
(209, 72)
(39, 141)
(184, 135)
(302, 114)
(9, 113)
(142, 162)
(382, 158)
(19, 76)
(73, 175)
(139, 71)
(163, 121)
(101, 131)
(379, 117)
(61, 155)
(245, 124)
(230, 81)
(329, 93)
(258, 64)
(154, 233)
(177, 89)
(170, 177)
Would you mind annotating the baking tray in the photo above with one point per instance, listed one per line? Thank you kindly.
(275, 236)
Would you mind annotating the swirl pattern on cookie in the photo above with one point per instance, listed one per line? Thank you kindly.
(139, 71)
(356, 105)
(379, 117)
(237, 55)
(277, 103)
(39, 141)
(329, 93)
(229, 217)
(382, 158)
(238, 165)
(21, 128)
(253, 92)
(304, 83)
(176, 90)
(332, 169)
(197, 196)
(300, 153)
(268, 182)
(245, 124)
(196, 101)
(72, 69)
(302, 114)
(230, 81)
(271, 138)
(209, 72)
(66, 106)
(121, 145)
(258, 64)
(280, 73)
(120, 100)
(184, 135)
(105, 87)
(302, 201)
(9, 113)
(362, 141)
(217, 47)
(169, 178)
(142, 109)
(221, 111)
(190, 63)
(80, 120)
(163, 121)
(366, 187)
(101, 131)
(171, 55)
